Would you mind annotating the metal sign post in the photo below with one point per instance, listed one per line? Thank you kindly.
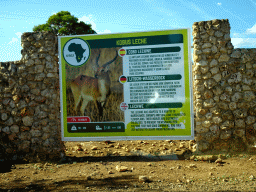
(126, 86)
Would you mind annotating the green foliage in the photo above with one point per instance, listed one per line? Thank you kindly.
(63, 23)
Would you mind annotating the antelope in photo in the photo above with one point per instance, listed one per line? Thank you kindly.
(93, 88)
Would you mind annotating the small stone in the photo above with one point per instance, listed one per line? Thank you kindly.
(202, 63)
(219, 160)
(210, 173)
(149, 164)
(179, 181)
(121, 168)
(223, 58)
(143, 179)
(236, 54)
(14, 128)
(218, 34)
(252, 177)
(110, 172)
(94, 148)
(217, 77)
(4, 116)
(206, 45)
(192, 166)
(27, 121)
(6, 130)
(213, 63)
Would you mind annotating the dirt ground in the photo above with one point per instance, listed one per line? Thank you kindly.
(134, 166)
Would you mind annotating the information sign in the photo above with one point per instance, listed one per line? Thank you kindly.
(126, 86)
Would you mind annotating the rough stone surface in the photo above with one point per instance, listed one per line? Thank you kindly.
(26, 98)
(229, 75)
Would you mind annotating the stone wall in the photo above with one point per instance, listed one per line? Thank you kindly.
(29, 100)
(224, 82)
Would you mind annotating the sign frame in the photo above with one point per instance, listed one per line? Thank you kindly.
(67, 136)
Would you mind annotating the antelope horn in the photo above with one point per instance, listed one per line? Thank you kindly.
(106, 64)
(97, 60)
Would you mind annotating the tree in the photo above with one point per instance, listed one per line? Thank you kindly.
(63, 23)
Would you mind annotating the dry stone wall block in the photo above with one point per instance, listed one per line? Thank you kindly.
(248, 96)
(214, 129)
(225, 97)
(232, 106)
(9, 122)
(24, 146)
(210, 136)
(208, 94)
(240, 123)
(36, 133)
(206, 124)
(210, 83)
(214, 70)
(4, 116)
(209, 103)
(223, 105)
(236, 97)
(27, 121)
(204, 69)
(240, 113)
(14, 129)
(217, 120)
(6, 130)
(227, 125)
(202, 145)
(225, 134)
(218, 34)
(250, 120)
(223, 58)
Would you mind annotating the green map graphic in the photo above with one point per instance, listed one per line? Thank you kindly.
(79, 51)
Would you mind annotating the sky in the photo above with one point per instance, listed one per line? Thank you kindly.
(115, 16)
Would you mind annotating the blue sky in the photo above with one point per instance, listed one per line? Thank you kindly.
(113, 16)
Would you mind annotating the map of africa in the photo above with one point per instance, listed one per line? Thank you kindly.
(79, 51)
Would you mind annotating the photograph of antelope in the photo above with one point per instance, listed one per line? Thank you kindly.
(94, 89)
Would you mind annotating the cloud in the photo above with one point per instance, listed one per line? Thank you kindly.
(88, 20)
(105, 31)
(13, 40)
(219, 4)
(244, 39)
(251, 30)
(243, 42)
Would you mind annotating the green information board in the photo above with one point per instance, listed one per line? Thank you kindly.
(126, 86)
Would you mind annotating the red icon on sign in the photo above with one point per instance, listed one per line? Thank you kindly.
(78, 119)
(122, 52)
(123, 106)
